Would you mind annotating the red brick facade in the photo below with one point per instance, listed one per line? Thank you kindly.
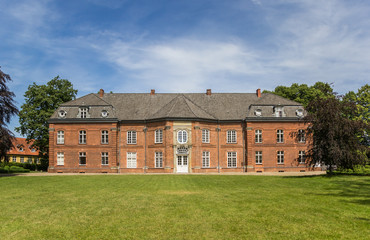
(146, 147)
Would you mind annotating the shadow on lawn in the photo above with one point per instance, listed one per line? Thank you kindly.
(9, 174)
(357, 190)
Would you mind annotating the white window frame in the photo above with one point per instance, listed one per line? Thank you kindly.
(14, 159)
(182, 136)
(83, 112)
(302, 157)
(158, 158)
(158, 138)
(231, 136)
(82, 155)
(60, 137)
(258, 157)
(82, 136)
(258, 136)
(131, 137)
(279, 111)
(104, 158)
(104, 137)
(60, 158)
(206, 159)
(280, 136)
(29, 159)
(131, 159)
(232, 160)
(22, 159)
(205, 136)
(280, 157)
(301, 136)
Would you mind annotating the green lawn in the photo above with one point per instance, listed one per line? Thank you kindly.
(184, 207)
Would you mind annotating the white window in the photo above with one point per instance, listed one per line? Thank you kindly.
(182, 136)
(280, 157)
(22, 159)
(158, 159)
(82, 137)
(37, 160)
(60, 158)
(205, 136)
(302, 157)
(280, 136)
(131, 137)
(231, 159)
(29, 160)
(205, 160)
(258, 136)
(258, 157)
(14, 159)
(82, 158)
(158, 136)
(83, 112)
(60, 137)
(278, 111)
(104, 158)
(301, 136)
(231, 136)
(104, 137)
(131, 160)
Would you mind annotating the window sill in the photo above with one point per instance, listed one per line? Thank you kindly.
(131, 143)
(60, 143)
(104, 143)
(60, 164)
(158, 143)
(258, 163)
(105, 164)
(231, 143)
(82, 164)
(280, 163)
(82, 143)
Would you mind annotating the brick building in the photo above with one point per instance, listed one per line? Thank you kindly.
(177, 133)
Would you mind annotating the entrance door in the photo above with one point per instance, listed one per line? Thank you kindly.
(182, 164)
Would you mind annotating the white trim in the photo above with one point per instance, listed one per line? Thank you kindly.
(131, 158)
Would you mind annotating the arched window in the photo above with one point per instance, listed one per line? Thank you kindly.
(182, 136)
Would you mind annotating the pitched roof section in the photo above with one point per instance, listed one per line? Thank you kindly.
(144, 106)
(21, 144)
(181, 107)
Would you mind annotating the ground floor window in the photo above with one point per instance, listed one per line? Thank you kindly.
(29, 160)
(159, 160)
(104, 158)
(82, 158)
(14, 159)
(231, 159)
(205, 160)
(302, 157)
(258, 157)
(131, 160)
(280, 157)
(22, 159)
(60, 158)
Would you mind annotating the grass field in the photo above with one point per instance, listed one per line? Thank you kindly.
(184, 207)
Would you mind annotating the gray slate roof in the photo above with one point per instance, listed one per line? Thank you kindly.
(143, 106)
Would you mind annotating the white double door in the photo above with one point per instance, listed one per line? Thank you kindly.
(182, 164)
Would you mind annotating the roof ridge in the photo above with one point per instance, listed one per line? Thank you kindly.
(199, 108)
(102, 99)
(188, 105)
(164, 106)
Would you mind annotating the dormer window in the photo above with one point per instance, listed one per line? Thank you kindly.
(258, 112)
(83, 112)
(20, 148)
(299, 112)
(278, 111)
(104, 113)
(62, 114)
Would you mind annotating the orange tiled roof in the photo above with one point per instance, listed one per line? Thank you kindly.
(21, 143)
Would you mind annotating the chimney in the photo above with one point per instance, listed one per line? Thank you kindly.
(258, 92)
(209, 92)
(152, 92)
(101, 93)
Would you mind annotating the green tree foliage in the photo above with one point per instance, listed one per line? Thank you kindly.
(41, 102)
(333, 134)
(362, 100)
(303, 93)
(7, 110)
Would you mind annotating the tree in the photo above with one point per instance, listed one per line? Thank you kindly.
(7, 110)
(334, 135)
(303, 93)
(362, 100)
(41, 102)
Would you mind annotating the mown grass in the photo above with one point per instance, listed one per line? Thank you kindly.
(184, 207)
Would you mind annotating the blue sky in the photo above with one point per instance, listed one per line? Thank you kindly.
(185, 45)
